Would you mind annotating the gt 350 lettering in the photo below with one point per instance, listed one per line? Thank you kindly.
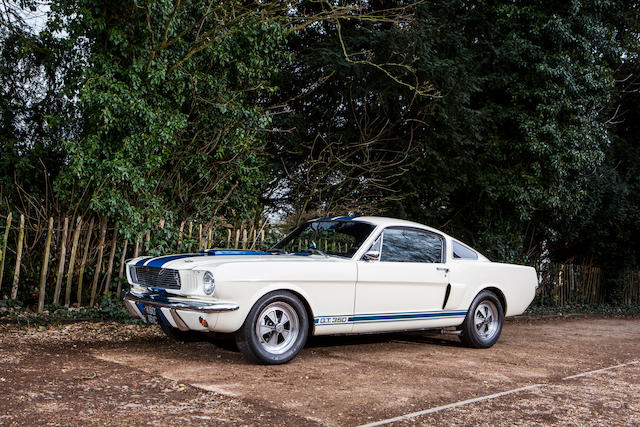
(332, 320)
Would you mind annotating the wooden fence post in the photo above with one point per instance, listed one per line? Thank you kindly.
(63, 253)
(228, 238)
(136, 251)
(110, 265)
(94, 286)
(45, 267)
(3, 255)
(121, 271)
(180, 234)
(189, 235)
(237, 238)
(83, 263)
(200, 237)
(147, 241)
(72, 261)
(251, 234)
(16, 272)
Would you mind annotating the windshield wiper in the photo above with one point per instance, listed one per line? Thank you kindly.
(277, 251)
(315, 251)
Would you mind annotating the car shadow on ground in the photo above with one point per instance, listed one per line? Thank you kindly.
(222, 347)
(422, 337)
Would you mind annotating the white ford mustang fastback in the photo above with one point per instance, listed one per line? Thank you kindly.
(339, 275)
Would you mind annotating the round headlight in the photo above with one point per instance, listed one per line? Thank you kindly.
(208, 284)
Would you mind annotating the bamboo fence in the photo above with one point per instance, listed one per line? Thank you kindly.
(564, 284)
(631, 289)
(89, 256)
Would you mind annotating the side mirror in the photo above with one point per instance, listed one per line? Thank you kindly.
(371, 255)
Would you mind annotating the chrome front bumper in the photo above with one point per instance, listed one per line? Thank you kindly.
(158, 300)
(163, 301)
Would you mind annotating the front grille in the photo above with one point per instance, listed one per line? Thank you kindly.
(157, 277)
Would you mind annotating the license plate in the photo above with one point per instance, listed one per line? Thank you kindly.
(151, 313)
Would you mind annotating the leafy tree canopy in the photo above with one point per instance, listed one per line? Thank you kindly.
(512, 125)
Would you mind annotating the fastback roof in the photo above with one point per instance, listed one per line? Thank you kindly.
(381, 221)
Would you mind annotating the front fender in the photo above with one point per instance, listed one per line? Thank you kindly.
(232, 321)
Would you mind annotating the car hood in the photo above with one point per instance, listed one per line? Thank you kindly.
(199, 260)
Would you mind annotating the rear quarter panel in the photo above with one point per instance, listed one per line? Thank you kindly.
(517, 283)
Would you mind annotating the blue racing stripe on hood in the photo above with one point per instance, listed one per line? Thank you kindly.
(160, 261)
(143, 260)
(233, 252)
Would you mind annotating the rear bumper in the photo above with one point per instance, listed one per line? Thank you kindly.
(184, 315)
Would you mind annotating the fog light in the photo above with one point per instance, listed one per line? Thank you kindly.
(208, 284)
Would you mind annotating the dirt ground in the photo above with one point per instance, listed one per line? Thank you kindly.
(113, 374)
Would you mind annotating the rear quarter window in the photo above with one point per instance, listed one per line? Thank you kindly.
(461, 251)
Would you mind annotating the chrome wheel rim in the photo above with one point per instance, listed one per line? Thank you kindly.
(277, 327)
(485, 320)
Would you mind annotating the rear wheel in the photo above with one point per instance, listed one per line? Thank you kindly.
(483, 324)
(275, 329)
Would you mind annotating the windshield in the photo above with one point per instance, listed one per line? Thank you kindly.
(341, 238)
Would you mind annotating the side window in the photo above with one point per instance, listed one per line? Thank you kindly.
(461, 251)
(406, 245)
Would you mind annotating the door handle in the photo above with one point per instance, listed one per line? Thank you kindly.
(445, 269)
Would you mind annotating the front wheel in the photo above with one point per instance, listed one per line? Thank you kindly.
(483, 324)
(275, 329)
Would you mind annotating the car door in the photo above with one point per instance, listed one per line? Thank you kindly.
(405, 286)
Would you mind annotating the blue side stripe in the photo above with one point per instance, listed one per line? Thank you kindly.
(404, 316)
(370, 318)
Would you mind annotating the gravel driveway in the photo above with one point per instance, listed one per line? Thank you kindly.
(113, 374)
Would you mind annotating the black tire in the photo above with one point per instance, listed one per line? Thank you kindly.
(177, 335)
(483, 324)
(262, 336)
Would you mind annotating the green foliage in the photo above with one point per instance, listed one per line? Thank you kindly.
(503, 157)
(605, 309)
(30, 105)
(107, 310)
(350, 128)
(511, 125)
(517, 129)
(170, 108)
